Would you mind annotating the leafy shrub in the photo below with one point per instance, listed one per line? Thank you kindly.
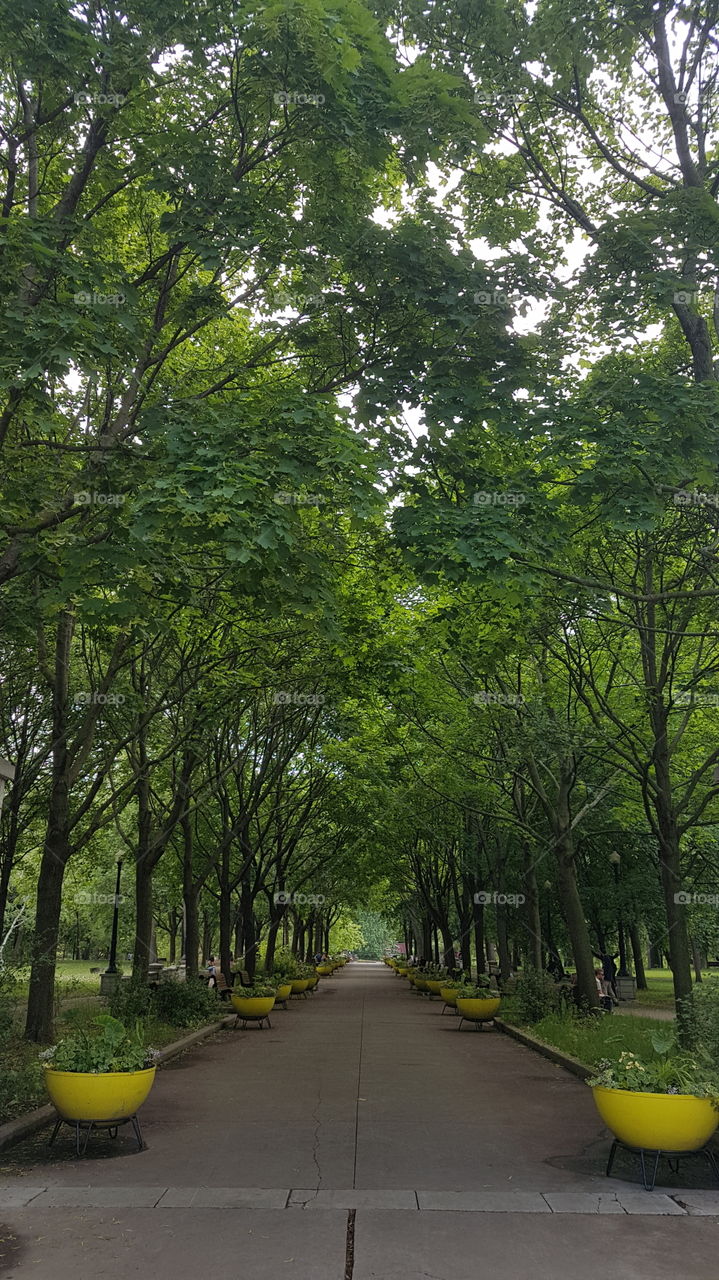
(700, 1015)
(185, 1004)
(181, 1004)
(109, 1047)
(535, 996)
(479, 990)
(257, 990)
(669, 1072)
(131, 1001)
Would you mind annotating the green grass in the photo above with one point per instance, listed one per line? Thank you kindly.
(593, 1038)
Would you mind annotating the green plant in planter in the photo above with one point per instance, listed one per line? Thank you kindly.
(671, 1072)
(111, 1047)
(258, 991)
(479, 990)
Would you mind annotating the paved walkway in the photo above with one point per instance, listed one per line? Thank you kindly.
(362, 1138)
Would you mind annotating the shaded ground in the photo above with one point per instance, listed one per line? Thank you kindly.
(363, 1097)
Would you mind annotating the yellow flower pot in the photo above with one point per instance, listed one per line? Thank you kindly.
(479, 1010)
(298, 985)
(86, 1096)
(402, 970)
(657, 1121)
(324, 970)
(284, 991)
(449, 995)
(252, 1006)
(312, 982)
(434, 985)
(421, 984)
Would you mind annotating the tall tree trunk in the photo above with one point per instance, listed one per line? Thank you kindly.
(532, 913)
(636, 942)
(192, 930)
(696, 960)
(271, 944)
(56, 851)
(226, 931)
(478, 920)
(248, 929)
(505, 965)
(575, 921)
(207, 947)
(143, 920)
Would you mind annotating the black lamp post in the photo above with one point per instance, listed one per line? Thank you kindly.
(616, 861)
(112, 966)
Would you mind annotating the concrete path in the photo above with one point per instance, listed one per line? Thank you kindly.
(362, 1136)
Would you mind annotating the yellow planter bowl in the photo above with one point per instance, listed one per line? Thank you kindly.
(284, 991)
(435, 985)
(401, 970)
(312, 982)
(480, 1010)
(658, 1121)
(298, 985)
(421, 984)
(449, 995)
(252, 1006)
(324, 970)
(112, 1095)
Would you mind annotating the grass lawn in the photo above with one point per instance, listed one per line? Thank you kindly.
(591, 1039)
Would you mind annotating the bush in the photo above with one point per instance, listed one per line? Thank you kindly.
(535, 996)
(185, 1004)
(700, 1015)
(181, 1004)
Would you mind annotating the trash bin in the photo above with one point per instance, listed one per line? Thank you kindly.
(626, 988)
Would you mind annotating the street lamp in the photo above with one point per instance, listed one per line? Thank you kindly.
(7, 774)
(616, 861)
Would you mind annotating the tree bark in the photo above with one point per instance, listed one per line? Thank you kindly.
(636, 942)
(56, 851)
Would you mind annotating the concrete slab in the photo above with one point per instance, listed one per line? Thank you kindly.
(648, 1202)
(13, 1195)
(255, 1244)
(572, 1202)
(484, 1201)
(480, 1246)
(699, 1203)
(223, 1198)
(351, 1199)
(139, 1197)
